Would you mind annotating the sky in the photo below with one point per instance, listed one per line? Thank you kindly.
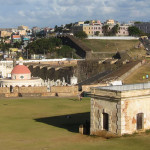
(48, 13)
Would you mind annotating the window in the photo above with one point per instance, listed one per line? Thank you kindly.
(21, 77)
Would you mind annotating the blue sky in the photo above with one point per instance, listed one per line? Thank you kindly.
(44, 13)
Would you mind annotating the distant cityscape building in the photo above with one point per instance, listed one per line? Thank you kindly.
(95, 27)
(22, 27)
(143, 26)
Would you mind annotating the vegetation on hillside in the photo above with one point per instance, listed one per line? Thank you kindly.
(51, 46)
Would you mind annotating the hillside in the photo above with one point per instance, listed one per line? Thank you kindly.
(137, 76)
(132, 46)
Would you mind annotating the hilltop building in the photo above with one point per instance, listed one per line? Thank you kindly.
(95, 27)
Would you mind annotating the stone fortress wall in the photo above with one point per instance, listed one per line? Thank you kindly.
(41, 91)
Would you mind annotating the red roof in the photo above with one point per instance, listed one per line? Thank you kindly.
(20, 69)
(16, 37)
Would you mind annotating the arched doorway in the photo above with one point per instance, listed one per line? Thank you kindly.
(105, 121)
(139, 119)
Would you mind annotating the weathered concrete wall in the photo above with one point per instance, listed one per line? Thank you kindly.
(130, 107)
(135, 93)
(98, 107)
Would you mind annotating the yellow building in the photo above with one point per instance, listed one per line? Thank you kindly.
(110, 21)
(22, 32)
(5, 33)
(22, 27)
(80, 23)
(88, 29)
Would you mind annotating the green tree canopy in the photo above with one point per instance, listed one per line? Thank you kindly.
(81, 34)
(106, 30)
(97, 33)
(134, 31)
(44, 45)
(115, 29)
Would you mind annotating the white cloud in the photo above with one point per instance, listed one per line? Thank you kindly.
(21, 13)
(51, 12)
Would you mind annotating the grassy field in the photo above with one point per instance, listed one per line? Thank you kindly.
(41, 124)
(137, 76)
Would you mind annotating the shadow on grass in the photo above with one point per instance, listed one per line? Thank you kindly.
(69, 122)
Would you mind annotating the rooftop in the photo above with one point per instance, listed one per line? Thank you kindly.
(126, 87)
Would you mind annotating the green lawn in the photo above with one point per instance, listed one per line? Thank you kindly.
(41, 124)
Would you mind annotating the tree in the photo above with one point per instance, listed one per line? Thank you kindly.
(17, 44)
(81, 34)
(106, 30)
(44, 45)
(68, 26)
(114, 30)
(97, 33)
(134, 31)
(87, 22)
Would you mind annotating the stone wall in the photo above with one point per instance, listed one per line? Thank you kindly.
(4, 90)
(52, 73)
(65, 90)
(87, 88)
(89, 68)
(100, 55)
(98, 107)
(32, 89)
(39, 91)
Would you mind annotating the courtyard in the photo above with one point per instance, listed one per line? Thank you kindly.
(52, 124)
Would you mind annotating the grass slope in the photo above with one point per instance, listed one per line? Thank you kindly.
(110, 45)
(137, 76)
(41, 124)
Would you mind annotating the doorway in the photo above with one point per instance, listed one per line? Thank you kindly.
(105, 121)
(140, 121)
(11, 89)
